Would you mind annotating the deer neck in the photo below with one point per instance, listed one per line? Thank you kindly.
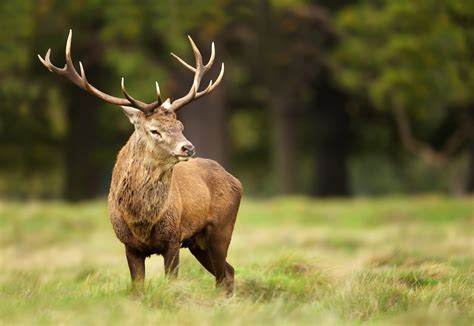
(143, 187)
(145, 160)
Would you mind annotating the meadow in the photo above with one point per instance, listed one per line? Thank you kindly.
(385, 261)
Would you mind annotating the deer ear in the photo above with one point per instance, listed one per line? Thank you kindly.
(132, 113)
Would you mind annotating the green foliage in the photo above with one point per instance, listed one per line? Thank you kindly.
(412, 54)
(16, 26)
(128, 38)
(298, 261)
(415, 54)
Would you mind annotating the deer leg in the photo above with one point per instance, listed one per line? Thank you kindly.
(204, 257)
(229, 274)
(136, 264)
(171, 259)
(223, 271)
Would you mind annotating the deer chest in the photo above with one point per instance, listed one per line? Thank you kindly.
(145, 209)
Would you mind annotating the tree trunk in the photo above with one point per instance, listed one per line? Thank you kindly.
(284, 149)
(470, 178)
(82, 171)
(331, 123)
(205, 125)
(280, 97)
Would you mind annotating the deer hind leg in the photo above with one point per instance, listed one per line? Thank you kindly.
(204, 256)
(136, 264)
(219, 240)
(224, 273)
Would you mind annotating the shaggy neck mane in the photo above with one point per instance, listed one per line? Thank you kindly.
(142, 186)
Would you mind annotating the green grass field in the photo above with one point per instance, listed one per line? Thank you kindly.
(406, 261)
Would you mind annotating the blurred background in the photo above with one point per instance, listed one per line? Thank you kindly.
(324, 98)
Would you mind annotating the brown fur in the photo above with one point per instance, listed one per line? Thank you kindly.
(157, 205)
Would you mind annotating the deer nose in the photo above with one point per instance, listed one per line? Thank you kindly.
(188, 149)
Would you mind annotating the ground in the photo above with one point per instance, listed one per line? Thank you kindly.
(298, 261)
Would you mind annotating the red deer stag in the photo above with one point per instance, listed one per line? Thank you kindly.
(156, 205)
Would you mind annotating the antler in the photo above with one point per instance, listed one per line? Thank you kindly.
(70, 72)
(199, 72)
(80, 80)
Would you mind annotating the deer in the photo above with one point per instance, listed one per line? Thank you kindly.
(163, 198)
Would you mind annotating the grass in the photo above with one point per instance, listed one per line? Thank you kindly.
(405, 261)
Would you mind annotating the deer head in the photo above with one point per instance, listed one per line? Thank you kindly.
(155, 123)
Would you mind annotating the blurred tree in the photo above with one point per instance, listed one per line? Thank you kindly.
(109, 48)
(290, 42)
(253, 35)
(414, 58)
(82, 169)
(278, 79)
(28, 134)
(331, 129)
(289, 101)
(206, 119)
(302, 85)
(328, 103)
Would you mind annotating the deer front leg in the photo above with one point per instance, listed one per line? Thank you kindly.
(171, 259)
(136, 264)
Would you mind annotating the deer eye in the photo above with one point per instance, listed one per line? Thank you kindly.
(155, 132)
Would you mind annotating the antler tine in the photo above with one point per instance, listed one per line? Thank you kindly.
(212, 85)
(199, 72)
(45, 60)
(158, 93)
(136, 103)
(205, 91)
(83, 76)
(68, 46)
(197, 56)
(184, 63)
(197, 53)
(70, 72)
(47, 63)
(211, 59)
(219, 78)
